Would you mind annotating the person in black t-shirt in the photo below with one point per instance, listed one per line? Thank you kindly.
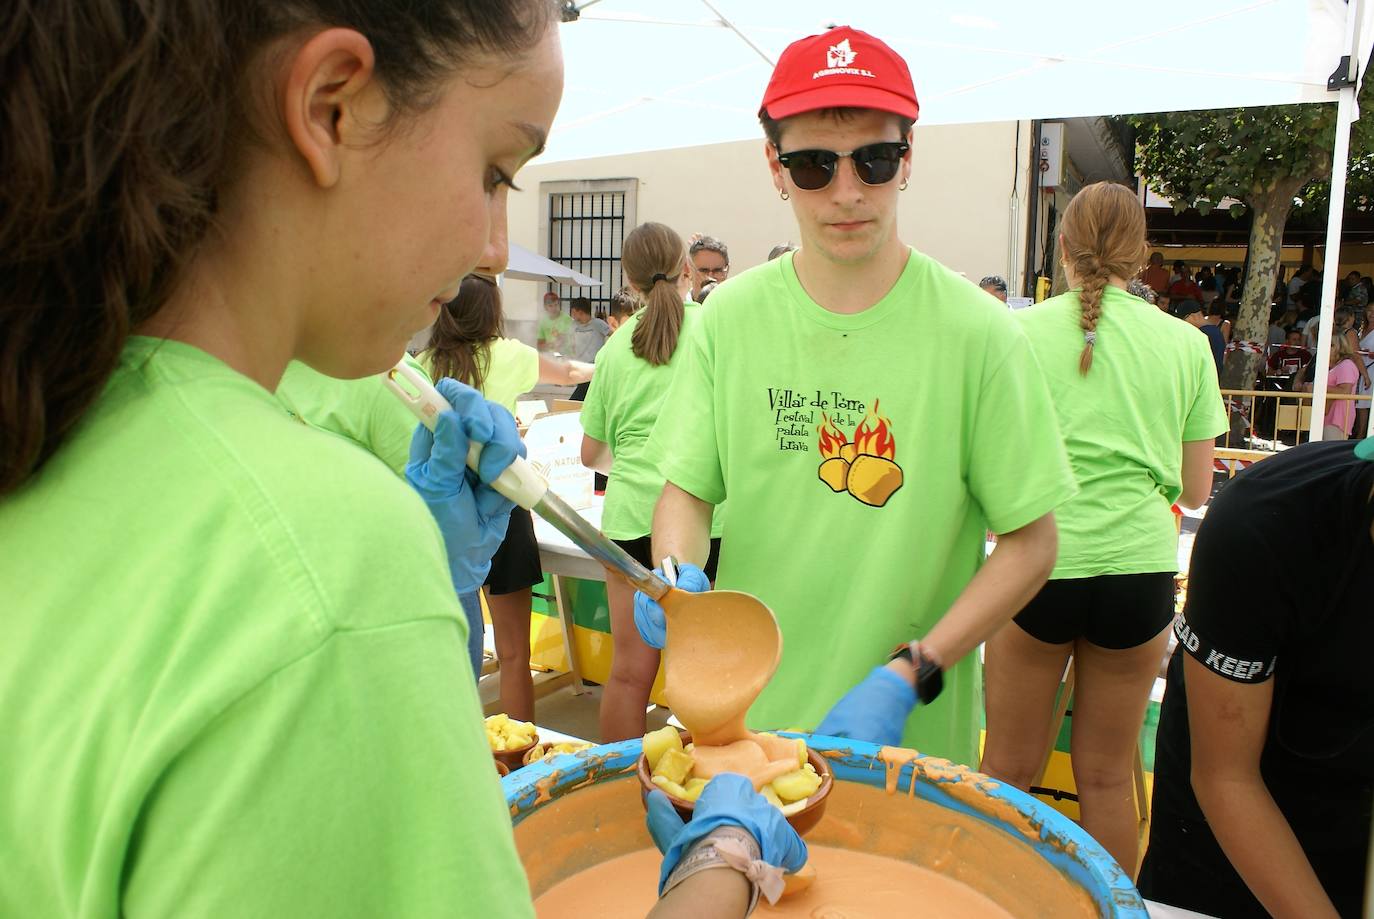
(1193, 313)
(1264, 761)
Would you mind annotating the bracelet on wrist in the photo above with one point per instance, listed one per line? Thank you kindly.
(735, 848)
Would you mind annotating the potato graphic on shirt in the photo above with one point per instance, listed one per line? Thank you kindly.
(865, 467)
(873, 476)
(834, 469)
(874, 479)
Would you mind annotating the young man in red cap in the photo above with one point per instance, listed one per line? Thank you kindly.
(861, 481)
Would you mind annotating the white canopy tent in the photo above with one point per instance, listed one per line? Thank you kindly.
(649, 74)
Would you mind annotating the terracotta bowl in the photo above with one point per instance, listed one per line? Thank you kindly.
(802, 821)
(514, 758)
(501, 768)
(541, 750)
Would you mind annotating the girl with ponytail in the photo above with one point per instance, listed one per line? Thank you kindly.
(1135, 392)
(634, 370)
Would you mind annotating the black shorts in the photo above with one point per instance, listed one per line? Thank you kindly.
(1113, 611)
(515, 566)
(641, 552)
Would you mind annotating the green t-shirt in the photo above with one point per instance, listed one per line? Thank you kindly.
(934, 393)
(1152, 385)
(556, 333)
(512, 371)
(234, 679)
(363, 411)
(623, 403)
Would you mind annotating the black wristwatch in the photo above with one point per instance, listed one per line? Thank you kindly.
(930, 679)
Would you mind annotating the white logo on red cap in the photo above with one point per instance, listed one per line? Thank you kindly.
(840, 55)
(837, 61)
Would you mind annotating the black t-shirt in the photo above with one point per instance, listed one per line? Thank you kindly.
(1281, 587)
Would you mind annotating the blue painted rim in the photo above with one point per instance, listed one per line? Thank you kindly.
(1061, 841)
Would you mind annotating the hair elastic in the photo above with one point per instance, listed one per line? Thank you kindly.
(659, 277)
(1090, 337)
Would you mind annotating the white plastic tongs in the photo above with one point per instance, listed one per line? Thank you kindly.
(522, 484)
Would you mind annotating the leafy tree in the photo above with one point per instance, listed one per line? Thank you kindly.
(1264, 157)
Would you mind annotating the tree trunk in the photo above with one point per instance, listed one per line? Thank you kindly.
(1270, 209)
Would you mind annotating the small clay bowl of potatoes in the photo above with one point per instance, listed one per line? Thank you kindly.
(543, 752)
(798, 788)
(510, 740)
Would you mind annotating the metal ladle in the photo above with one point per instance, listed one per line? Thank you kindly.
(722, 645)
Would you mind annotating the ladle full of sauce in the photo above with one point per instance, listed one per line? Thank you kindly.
(722, 645)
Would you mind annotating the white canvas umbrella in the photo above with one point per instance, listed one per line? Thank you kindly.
(525, 265)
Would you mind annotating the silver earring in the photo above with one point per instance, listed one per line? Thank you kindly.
(902, 187)
(783, 195)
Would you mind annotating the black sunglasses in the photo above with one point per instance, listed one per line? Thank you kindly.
(874, 164)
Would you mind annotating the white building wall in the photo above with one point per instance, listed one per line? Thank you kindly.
(956, 209)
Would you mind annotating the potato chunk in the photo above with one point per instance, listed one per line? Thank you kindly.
(674, 765)
(796, 786)
(656, 743)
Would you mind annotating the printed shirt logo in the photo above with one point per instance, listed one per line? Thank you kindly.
(1233, 668)
(840, 55)
(838, 60)
(864, 467)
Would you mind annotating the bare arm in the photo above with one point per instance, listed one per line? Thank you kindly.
(1012, 575)
(1197, 473)
(1228, 722)
(596, 454)
(561, 372)
(1359, 358)
(682, 526)
(719, 892)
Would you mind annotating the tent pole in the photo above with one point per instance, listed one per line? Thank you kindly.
(745, 38)
(1345, 113)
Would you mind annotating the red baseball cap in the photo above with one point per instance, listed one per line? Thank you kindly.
(842, 68)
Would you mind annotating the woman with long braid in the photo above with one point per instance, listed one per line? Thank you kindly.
(1137, 400)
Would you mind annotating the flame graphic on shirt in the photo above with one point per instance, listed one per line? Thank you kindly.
(829, 437)
(865, 468)
(875, 439)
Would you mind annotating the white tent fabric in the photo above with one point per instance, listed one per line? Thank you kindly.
(525, 265)
(650, 74)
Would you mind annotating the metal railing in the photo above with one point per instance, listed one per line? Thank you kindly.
(1266, 422)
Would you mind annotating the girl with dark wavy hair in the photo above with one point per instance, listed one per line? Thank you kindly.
(468, 343)
(234, 667)
(234, 679)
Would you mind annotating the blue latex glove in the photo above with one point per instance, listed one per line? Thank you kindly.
(876, 710)
(729, 800)
(653, 628)
(471, 516)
